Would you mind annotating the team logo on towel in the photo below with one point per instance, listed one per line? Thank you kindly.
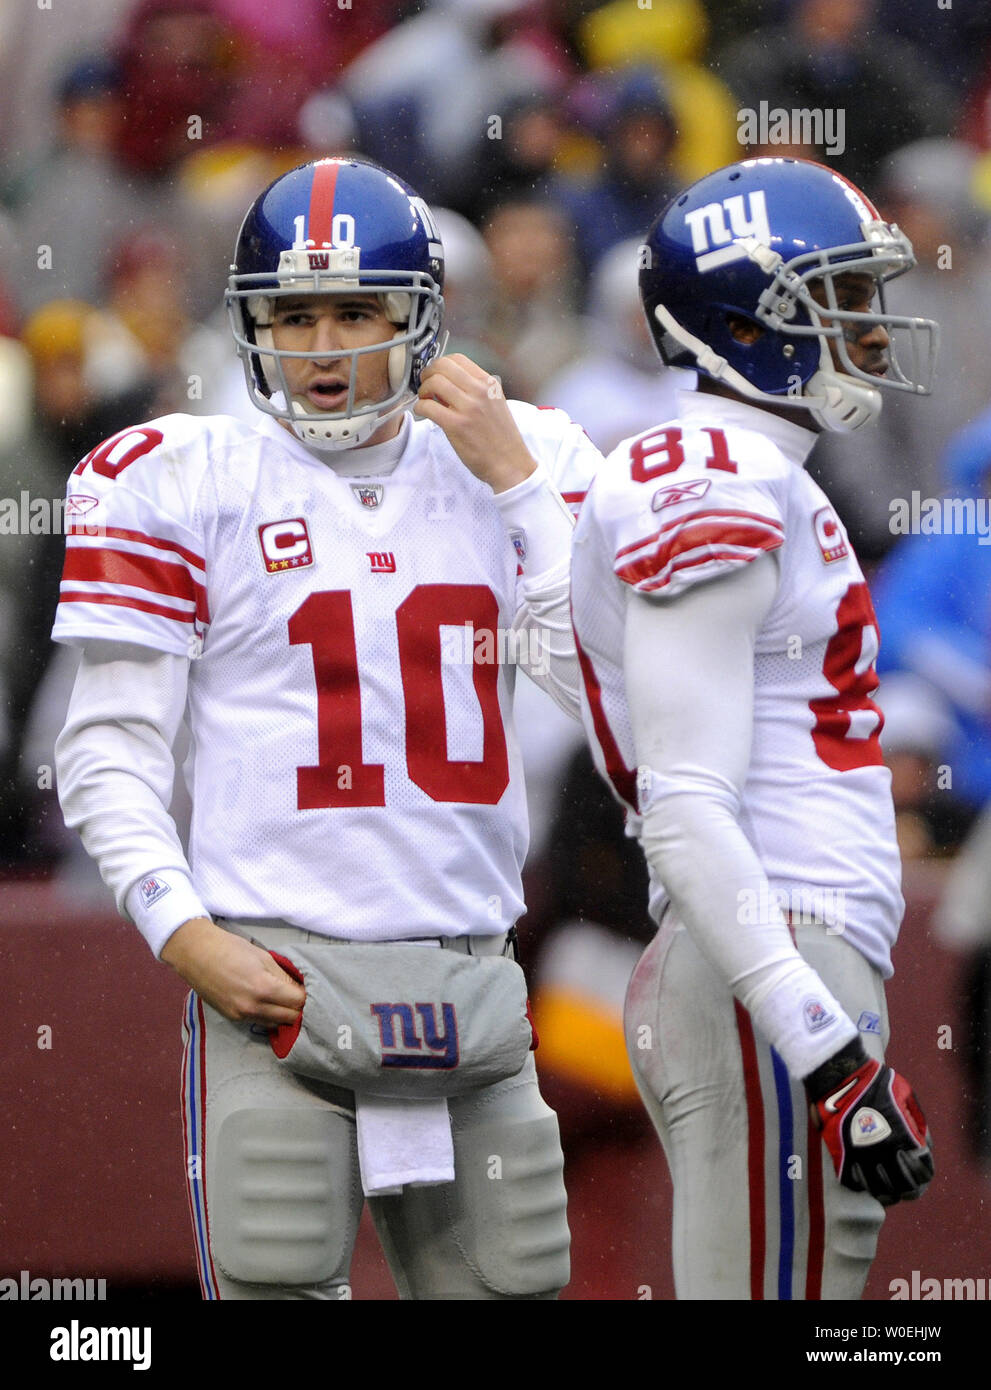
(419, 1042)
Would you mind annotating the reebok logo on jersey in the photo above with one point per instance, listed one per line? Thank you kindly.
(817, 1016)
(674, 493)
(441, 1047)
(369, 494)
(829, 535)
(152, 889)
(382, 561)
(285, 545)
(79, 504)
(869, 1023)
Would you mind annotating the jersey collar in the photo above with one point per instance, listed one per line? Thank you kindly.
(794, 440)
(370, 460)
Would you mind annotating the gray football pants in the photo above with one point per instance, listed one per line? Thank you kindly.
(758, 1210)
(275, 1192)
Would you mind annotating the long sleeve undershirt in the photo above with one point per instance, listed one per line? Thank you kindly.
(690, 688)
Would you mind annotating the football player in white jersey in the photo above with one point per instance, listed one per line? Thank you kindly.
(727, 639)
(335, 597)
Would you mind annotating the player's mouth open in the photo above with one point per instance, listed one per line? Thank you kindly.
(328, 395)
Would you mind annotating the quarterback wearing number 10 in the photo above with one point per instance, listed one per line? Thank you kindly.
(323, 592)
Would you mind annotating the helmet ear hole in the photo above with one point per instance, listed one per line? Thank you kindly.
(743, 329)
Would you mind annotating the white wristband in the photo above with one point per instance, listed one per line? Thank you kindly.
(160, 903)
(536, 513)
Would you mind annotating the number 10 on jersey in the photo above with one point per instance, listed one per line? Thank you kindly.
(325, 623)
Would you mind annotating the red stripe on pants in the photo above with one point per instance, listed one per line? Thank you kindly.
(755, 1150)
(817, 1217)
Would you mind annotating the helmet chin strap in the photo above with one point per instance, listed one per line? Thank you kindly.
(329, 435)
(842, 404)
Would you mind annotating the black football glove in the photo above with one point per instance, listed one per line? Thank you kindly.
(873, 1127)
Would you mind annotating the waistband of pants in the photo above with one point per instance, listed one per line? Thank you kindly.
(270, 933)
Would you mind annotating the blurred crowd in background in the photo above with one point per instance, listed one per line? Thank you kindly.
(549, 133)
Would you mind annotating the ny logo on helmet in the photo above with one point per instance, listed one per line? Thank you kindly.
(708, 228)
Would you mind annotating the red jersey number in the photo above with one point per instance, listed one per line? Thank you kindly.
(848, 724)
(142, 440)
(325, 622)
(667, 442)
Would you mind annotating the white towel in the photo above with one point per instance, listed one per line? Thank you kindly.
(403, 1141)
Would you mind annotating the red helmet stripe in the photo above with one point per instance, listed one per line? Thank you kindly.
(321, 218)
(842, 178)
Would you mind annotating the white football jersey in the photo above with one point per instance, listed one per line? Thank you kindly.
(354, 769)
(700, 496)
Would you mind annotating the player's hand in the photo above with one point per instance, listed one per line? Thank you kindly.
(469, 405)
(240, 980)
(876, 1132)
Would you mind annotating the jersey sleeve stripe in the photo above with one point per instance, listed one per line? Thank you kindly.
(739, 556)
(127, 601)
(184, 606)
(698, 543)
(119, 533)
(126, 568)
(755, 517)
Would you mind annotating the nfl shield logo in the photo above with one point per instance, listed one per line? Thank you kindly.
(368, 494)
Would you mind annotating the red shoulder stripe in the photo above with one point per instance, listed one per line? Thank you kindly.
(138, 571)
(121, 533)
(712, 538)
(699, 516)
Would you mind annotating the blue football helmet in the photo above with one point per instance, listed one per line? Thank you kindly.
(337, 226)
(752, 240)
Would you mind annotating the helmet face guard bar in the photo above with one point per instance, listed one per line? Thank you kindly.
(884, 254)
(263, 362)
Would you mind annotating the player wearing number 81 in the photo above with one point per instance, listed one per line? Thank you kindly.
(727, 642)
(291, 585)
